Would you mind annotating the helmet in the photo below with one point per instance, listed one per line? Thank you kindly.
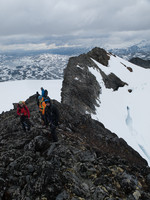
(40, 97)
(20, 102)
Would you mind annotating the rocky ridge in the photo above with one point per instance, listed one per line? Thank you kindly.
(80, 88)
(89, 162)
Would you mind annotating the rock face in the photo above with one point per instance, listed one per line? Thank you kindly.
(140, 62)
(88, 162)
(80, 88)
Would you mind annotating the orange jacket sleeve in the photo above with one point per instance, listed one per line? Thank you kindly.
(44, 106)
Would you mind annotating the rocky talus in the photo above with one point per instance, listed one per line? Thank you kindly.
(87, 163)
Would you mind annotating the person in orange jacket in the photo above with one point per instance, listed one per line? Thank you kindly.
(23, 112)
(42, 106)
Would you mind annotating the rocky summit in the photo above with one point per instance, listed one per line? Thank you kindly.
(80, 87)
(89, 162)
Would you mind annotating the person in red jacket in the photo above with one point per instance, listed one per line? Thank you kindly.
(23, 112)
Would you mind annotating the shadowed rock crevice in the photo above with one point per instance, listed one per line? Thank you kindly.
(112, 81)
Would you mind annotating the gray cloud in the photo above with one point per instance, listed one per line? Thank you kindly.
(69, 21)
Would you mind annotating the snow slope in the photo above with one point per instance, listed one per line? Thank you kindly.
(124, 113)
(15, 91)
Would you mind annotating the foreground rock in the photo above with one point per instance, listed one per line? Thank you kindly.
(88, 163)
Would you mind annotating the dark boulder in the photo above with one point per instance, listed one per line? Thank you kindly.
(140, 62)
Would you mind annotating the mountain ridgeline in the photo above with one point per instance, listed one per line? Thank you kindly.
(89, 162)
(80, 87)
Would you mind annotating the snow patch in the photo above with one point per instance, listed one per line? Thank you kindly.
(126, 114)
(15, 91)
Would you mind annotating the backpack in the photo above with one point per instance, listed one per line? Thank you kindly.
(45, 93)
(24, 103)
(42, 106)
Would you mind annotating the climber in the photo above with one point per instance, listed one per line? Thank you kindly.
(23, 112)
(44, 93)
(42, 106)
(52, 118)
(37, 100)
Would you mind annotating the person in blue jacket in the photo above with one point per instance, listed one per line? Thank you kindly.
(44, 93)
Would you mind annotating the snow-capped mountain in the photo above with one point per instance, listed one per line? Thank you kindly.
(126, 111)
(33, 67)
(140, 49)
(117, 95)
(46, 65)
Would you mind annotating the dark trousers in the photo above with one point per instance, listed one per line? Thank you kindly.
(43, 119)
(53, 132)
(25, 123)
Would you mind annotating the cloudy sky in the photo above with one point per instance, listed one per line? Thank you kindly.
(38, 24)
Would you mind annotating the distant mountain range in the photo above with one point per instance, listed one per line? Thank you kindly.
(49, 64)
(37, 66)
(141, 50)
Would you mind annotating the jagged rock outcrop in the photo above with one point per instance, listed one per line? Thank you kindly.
(140, 62)
(88, 162)
(80, 87)
(100, 55)
(112, 81)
